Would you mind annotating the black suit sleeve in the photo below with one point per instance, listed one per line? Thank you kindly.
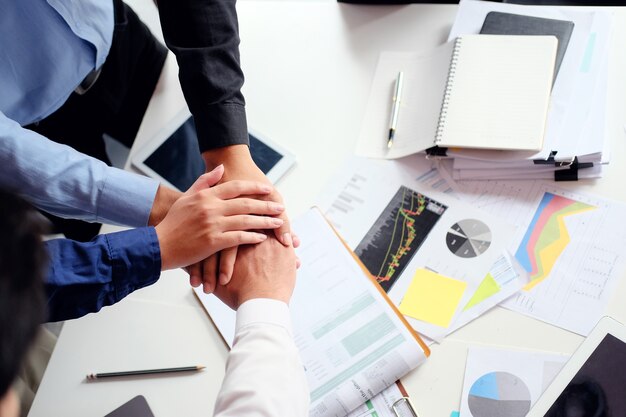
(204, 36)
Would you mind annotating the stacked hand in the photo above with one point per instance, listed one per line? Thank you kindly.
(229, 206)
(266, 270)
(239, 166)
(209, 218)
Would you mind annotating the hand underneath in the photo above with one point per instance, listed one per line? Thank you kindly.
(266, 270)
(206, 219)
(240, 166)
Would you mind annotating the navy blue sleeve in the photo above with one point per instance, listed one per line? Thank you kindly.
(84, 277)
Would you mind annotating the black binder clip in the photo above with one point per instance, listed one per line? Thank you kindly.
(571, 173)
(436, 152)
(404, 408)
(548, 161)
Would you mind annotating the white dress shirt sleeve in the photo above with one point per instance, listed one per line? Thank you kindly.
(264, 374)
(67, 183)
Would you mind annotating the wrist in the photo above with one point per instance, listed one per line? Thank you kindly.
(164, 248)
(274, 295)
(228, 156)
(163, 200)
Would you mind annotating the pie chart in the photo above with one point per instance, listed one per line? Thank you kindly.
(498, 394)
(468, 238)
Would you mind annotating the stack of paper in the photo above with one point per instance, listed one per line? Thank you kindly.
(573, 145)
(574, 141)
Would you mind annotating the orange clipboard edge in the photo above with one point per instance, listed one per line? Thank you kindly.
(416, 335)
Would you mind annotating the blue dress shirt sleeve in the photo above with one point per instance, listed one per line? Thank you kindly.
(67, 183)
(84, 277)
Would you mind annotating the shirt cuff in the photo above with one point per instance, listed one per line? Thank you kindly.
(126, 198)
(263, 311)
(221, 125)
(136, 259)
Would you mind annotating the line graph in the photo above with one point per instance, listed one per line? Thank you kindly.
(547, 236)
(397, 234)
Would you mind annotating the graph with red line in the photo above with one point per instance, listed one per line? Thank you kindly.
(397, 234)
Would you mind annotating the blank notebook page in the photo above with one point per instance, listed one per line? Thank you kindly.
(498, 92)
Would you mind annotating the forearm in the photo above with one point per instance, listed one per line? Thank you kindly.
(64, 182)
(264, 374)
(163, 200)
(204, 37)
(231, 157)
(84, 277)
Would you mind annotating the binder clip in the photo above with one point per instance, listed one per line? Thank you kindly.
(403, 408)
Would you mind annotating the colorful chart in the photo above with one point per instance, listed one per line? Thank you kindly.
(487, 288)
(397, 234)
(547, 236)
(468, 238)
(499, 394)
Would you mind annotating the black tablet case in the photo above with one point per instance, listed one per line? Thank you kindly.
(498, 23)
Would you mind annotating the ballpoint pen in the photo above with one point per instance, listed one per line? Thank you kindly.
(395, 109)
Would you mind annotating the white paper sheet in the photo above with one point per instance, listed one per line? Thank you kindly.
(425, 75)
(380, 405)
(361, 202)
(595, 171)
(499, 380)
(588, 260)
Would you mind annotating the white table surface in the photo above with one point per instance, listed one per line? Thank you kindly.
(308, 67)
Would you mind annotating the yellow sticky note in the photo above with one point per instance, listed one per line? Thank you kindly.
(432, 298)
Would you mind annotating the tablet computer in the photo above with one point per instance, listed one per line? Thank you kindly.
(593, 382)
(173, 156)
(137, 407)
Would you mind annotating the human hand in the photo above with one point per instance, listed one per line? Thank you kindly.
(208, 219)
(240, 166)
(163, 200)
(266, 270)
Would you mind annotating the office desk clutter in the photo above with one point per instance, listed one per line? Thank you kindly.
(441, 263)
(353, 341)
(434, 255)
(568, 243)
(476, 91)
(562, 259)
(493, 112)
(574, 141)
(446, 249)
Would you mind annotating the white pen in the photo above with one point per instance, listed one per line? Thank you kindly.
(395, 109)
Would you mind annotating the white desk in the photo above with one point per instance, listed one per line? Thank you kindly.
(308, 67)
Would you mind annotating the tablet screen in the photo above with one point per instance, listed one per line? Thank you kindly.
(599, 387)
(178, 159)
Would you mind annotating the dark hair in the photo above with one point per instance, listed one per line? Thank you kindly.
(22, 266)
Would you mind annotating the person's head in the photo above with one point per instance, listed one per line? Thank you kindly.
(22, 303)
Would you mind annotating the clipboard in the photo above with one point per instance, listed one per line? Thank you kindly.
(380, 289)
(403, 407)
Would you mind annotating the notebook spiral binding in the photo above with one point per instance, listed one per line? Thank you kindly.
(454, 59)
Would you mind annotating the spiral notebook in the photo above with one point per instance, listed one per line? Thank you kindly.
(478, 91)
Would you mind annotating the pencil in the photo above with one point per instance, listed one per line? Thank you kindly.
(91, 377)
